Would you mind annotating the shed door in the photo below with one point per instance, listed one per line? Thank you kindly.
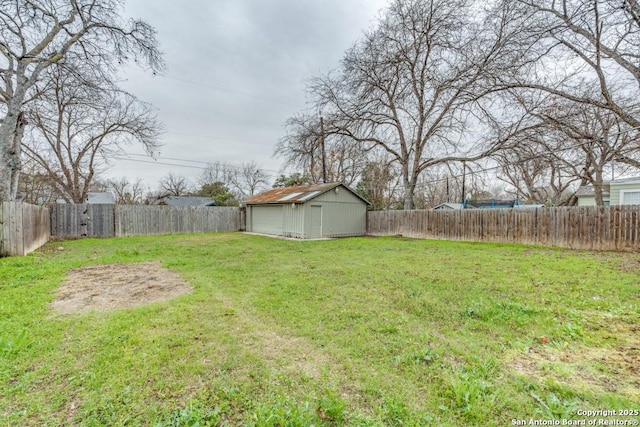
(315, 231)
(267, 220)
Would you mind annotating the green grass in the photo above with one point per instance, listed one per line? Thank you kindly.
(362, 331)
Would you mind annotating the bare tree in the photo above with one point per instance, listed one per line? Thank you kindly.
(243, 179)
(581, 41)
(78, 125)
(35, 36)
(575, 142)
(35, 186)
(438, 185)
(379, 183)
(175, 185)
(250, 179)
(415, 87)
(127, 192)
(321, 154)
(536, 174)
(217, 172)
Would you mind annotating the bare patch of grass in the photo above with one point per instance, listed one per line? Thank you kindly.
(114, 286)
(611, 369)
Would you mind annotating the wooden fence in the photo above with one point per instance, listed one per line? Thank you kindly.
(141, 220)
(600, 228)
(23, 228)
(69, 221)
(76, 221)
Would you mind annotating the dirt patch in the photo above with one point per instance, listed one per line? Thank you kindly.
(113, 286)
(613, 369)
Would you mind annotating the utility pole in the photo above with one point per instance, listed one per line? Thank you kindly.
(613, 170)
(464, 173)
(324, 162)
(448, 199)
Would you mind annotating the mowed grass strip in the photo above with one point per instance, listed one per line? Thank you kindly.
(361, 331)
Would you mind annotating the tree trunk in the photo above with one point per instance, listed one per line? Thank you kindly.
(17, 155)
(597, 188)
(11, 132)
(5, 161)
(9, 158)
(409, 190)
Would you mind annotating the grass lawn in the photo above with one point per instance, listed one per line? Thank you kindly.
(361, 331)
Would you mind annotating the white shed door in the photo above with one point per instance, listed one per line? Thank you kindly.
(315, 231)
(267, 220)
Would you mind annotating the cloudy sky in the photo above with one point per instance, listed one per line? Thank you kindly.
(236, 70)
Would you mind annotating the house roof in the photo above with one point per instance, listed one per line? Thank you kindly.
(296, 194)
(445, 206)
(183, 201)
(491, 204)
(630, 180)
(587, 190)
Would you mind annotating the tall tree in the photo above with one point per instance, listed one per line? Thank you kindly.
(574, 42)
(414, 87)
(78, 124)
(574, 142)
(321, 153)
(36, 35)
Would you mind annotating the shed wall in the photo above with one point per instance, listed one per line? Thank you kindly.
(341, 219)
(343, 213)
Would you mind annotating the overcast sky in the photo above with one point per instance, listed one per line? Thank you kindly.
(236, 70)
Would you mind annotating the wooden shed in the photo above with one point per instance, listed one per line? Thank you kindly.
(308, 212)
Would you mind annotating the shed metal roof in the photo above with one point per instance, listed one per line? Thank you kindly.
(105, 198)
(296, 194)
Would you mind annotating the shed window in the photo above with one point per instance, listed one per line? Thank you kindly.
(630, 197)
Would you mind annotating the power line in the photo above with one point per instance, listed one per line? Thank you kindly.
(227, 165)
(231, 91)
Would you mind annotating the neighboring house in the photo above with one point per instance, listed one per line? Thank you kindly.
(492, 204)
(103, 198)
(615, 192)
(182, 201)
(448, 206)
(308, 212)
(486, 204)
